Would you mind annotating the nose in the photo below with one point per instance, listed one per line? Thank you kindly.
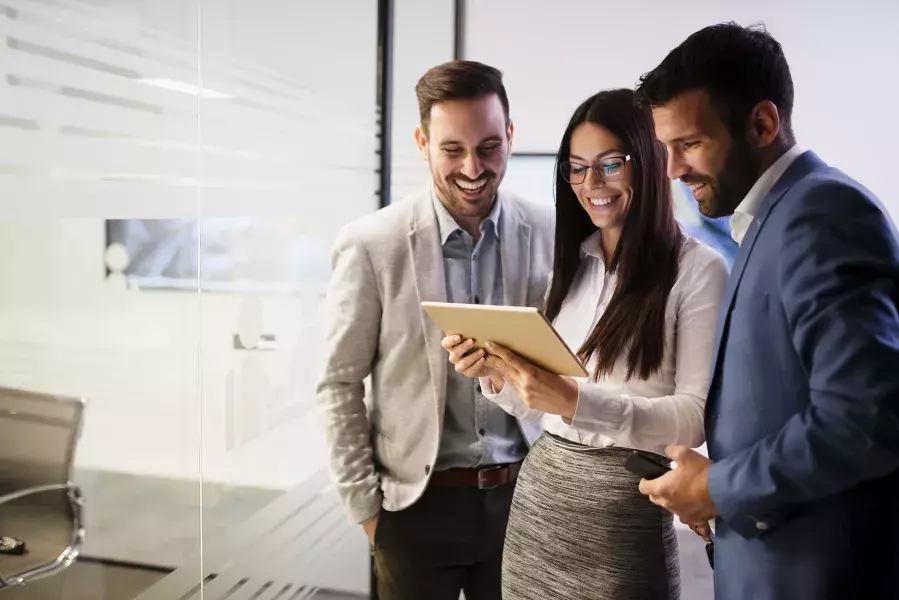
(472, 167)
(677, 166)
(591, 179)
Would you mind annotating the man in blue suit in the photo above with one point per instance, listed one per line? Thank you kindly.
(802, 418)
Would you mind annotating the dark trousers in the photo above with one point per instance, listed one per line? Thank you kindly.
(449, 541)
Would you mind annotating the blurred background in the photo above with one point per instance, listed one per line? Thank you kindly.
(172, 175)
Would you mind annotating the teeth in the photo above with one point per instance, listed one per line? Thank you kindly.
(601, 201)
(472, 187)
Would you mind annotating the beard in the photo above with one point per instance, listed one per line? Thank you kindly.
(458, 202)
(730, 185)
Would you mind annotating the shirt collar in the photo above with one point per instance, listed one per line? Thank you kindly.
(592, 246)
(747, 209)
(446, 224)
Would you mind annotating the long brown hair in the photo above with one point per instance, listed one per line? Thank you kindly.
(646, 258)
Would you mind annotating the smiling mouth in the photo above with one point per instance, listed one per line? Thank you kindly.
(601, 201)
(697, 186)
(471, 187)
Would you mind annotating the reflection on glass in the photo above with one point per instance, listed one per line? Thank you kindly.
(184, 145)
(225, 254)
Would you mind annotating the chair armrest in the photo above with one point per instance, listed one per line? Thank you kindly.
(70, 553)
(35, 490)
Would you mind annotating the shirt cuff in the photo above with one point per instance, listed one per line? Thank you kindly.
(362, 506)
(597, 410)
(487, 388)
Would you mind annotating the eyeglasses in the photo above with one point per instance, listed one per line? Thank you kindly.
(608, 169)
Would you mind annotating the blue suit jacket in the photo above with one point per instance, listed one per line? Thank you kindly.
(802, 418)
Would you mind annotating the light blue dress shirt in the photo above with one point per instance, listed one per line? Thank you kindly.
(476, 432)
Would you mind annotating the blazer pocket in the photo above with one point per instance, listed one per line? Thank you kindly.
(376, 433)
(382, 446)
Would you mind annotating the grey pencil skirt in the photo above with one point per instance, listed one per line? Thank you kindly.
(580, 530)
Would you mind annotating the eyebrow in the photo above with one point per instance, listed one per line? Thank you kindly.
(684, 138)
(493, 138)
(603, 155)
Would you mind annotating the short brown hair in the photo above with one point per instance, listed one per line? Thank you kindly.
(458, 80)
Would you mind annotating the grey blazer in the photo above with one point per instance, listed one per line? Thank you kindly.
(383, 438)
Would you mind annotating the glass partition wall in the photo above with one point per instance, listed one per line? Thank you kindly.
(172, 175)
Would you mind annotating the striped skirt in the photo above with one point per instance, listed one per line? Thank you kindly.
(581, 530)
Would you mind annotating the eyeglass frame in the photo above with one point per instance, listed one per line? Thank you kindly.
(596, 167)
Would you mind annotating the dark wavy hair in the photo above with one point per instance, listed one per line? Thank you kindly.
(646, 258)
(737, 66)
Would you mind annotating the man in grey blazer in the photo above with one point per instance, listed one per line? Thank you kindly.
(422, 460)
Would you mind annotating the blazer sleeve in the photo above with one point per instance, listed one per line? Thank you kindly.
(838, 281)
(354, 321)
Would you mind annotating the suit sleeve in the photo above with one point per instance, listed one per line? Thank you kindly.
(354, 321)
(838, 282)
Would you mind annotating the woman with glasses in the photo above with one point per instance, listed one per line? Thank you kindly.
(638, 300)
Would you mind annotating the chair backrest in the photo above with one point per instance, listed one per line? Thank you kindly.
(38, 436)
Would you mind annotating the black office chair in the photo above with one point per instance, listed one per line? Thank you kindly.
(39, 504)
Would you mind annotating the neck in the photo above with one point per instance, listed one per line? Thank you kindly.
(609, 239)
(771, 154)
(470, 224)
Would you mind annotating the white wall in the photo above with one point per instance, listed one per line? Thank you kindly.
(423, 38)
(843, 59)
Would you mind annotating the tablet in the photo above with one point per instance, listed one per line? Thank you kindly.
(522, 329)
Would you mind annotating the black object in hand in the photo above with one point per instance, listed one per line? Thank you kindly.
(11, 545)
(645, 465)
(710, 552)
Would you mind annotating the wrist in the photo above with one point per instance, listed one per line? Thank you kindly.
(571, 398)
(703, 492)
(497, 382)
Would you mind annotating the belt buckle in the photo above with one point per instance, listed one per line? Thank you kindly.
(482, 479)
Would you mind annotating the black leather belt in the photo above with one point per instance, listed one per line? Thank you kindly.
(485, 478)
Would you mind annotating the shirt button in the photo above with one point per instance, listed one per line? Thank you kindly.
(427, 469)
(477, 299)
(481, 432)
(761, 526)
(478, 388)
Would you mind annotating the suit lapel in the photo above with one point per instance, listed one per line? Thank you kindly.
(515, 253)
(430, 285)
(801, 167)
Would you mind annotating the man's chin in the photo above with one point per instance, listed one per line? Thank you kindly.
(707, 208)
(710, 206)
(476, 204)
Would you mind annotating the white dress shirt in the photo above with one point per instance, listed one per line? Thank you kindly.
(745, 212)
(647, 414)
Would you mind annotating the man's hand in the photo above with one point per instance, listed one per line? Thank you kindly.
(470, 361)
(538, 388)
(683, 491)
(703, 530)
(370, 527)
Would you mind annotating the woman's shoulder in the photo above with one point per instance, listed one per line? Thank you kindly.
(697, 254)
(699, 261)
